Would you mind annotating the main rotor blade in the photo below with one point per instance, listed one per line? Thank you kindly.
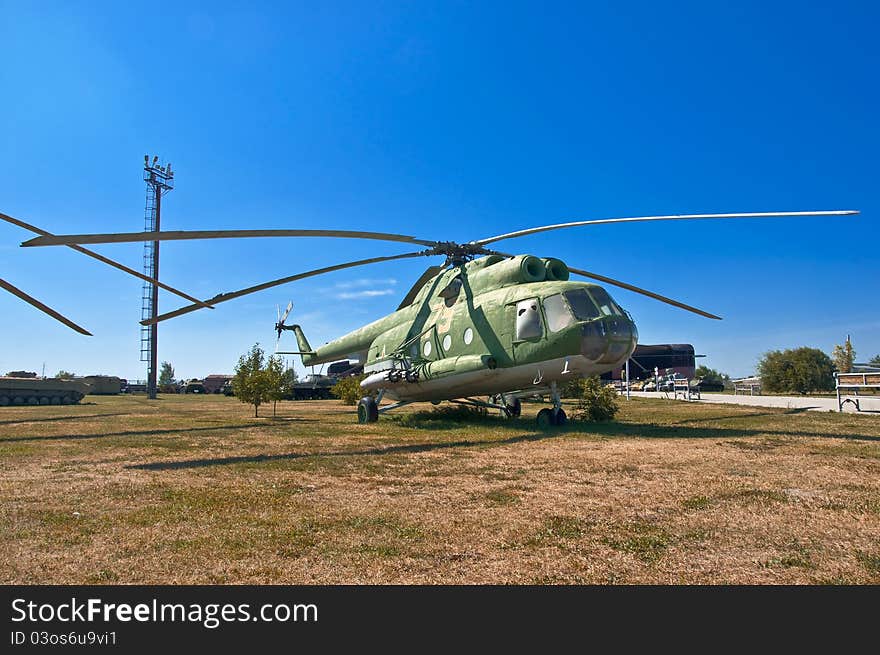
(673, 217)
(644, 292)
(223, 297)
(180, 235)
(101, 258)
(413, 292)
(43, 308)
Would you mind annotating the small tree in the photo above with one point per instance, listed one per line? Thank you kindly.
(254, 383)
(595, 401)
(348, 390)
(875, 360)
(166, 374)
(64, 375)
(274, 381)
(166, 378)
(800, 369)
(844, 356)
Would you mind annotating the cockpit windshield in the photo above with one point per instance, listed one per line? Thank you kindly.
(581, 305)
(607, 306)
(557, 312)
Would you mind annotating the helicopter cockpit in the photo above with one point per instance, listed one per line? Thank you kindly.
(608, 331)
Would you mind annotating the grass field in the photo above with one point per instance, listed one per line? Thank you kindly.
(195, 490)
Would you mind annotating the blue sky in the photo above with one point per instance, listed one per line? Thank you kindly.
(445, 121)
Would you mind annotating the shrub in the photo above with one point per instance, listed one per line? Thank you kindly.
(348, 390)
(595, 401)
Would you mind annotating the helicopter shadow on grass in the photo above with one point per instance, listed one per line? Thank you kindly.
(609, 430)
(52, 419)
(134, 433)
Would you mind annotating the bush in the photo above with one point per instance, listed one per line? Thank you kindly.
(596, 402)
(800, 369)
(348, 390)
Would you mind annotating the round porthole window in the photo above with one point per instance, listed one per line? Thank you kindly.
(427, 348)
(468, 336)
(447, 342)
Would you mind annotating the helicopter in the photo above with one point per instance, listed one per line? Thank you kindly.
(483, 323)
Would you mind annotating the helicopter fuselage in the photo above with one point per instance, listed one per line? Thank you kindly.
(488, 326)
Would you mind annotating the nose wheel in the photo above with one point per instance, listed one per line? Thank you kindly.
(555, 416)
(368, 410)
(549, 417)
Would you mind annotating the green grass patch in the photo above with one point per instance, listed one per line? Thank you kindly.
(871, 561)
(646, 541)
(697, 502)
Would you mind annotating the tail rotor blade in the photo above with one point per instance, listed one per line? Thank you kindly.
(286, 312)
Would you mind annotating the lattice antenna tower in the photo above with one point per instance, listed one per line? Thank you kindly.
(159, 180)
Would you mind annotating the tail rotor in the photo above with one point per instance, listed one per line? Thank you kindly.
(279, 325)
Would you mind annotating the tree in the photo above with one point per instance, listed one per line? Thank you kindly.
(64, 375)
(800, 369)
(596, 401)
(290, 378)
(348, 390)
(875, 360)
(166, 374)
(711, 375)
(274, 380)
(257, 381)
(166, 378)
(844, 356)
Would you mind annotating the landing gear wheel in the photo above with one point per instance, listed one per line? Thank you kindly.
(514, 409)
(368, 410)
(545, 418)
(559, 417)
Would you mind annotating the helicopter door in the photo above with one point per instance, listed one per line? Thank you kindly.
(528, 328)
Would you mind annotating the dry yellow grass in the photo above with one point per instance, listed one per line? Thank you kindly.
(194, 490)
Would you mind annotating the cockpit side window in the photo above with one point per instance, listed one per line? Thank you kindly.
(581, 305)
(607, 306)
(558, 314)
(528, 320)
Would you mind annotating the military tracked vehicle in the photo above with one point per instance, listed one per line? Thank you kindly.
(34, 391)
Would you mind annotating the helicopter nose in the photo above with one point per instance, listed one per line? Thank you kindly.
(608, 340)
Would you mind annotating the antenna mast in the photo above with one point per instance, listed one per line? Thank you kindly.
(159, 180)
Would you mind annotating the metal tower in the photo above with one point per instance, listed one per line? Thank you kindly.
(159, 180)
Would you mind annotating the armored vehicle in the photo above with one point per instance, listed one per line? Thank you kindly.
(103, 385)
(313, 387)
(32, 391)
